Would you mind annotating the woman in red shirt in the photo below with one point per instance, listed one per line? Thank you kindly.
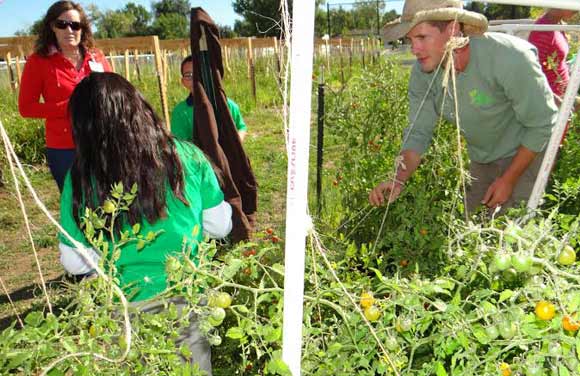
(63, 56)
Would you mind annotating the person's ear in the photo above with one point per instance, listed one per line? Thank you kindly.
(454, 29)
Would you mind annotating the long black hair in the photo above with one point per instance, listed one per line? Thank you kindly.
(46, 37)
(119, 138)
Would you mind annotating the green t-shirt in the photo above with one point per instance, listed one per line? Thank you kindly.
(142, 272)
(503, 97)
(182, 119)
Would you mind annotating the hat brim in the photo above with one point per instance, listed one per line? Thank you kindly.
(474, 23)
(396, 30)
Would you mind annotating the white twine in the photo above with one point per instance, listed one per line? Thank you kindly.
(14, 161)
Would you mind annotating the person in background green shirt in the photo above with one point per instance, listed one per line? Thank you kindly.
(119, 139)
(182, 114)
(505, 106)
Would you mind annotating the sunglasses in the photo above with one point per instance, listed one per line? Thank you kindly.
(62, 25)
(187, 75)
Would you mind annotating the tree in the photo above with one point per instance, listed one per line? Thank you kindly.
(363, 18)
(141, 19)
(226, 31)
(34, 29)
(162, 7)
(171, 26)
(498, 11)
(114, 24)
(261, 17)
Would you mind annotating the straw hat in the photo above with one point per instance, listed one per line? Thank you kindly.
(417, 11)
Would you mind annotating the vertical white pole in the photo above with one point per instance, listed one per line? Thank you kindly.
(557, 132)
(302, 46)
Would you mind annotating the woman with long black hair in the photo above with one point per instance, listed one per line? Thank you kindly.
(120, 139)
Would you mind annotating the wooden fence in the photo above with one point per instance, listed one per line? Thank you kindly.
(14, 50)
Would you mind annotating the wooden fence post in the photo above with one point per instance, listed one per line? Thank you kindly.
(18, 68)
(137, 67)
(251, 70)
(127, 70)
(8, 60)
(278, 62)
(160, 79)
(226, 58)
(350, 49)
(340, 61)
(362, 47)
(250, 56)
(165, 67)
(112, 60)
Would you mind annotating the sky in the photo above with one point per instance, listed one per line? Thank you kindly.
(20, 14)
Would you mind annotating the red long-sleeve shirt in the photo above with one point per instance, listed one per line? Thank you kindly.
(54, 78)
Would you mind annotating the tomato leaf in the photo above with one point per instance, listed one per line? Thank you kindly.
(505, 295)
(235, 333)
(440, 369)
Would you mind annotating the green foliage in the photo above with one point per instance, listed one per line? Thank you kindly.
(499, 11)
(261, 18)
(132, 20)
(181, 7)
(27, 135)
(363, 18)
(171, 26)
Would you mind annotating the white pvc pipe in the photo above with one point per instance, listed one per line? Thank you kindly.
(559, 4)
(557, 133)
(525, 27)
(302, 46)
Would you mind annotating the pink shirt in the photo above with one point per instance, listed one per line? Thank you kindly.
(552, 52)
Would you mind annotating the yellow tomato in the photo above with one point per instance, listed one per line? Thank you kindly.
(505, 369)
(366, 299)
(570, 324)
(545, 310)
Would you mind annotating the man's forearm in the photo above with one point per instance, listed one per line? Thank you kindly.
(409, 163)
(521, 161)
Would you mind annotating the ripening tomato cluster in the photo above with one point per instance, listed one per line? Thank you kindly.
(367, 302)
(270, 235)
(218, 303)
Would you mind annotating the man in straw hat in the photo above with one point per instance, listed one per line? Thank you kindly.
(505, 107)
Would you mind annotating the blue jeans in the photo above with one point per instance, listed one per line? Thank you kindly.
(59, 162)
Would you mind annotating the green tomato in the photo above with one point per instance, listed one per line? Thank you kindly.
(567, 256)
(496, 284)
(534, 370)
(218, 313)
(109, 207)
(521, 262)
(372, 313)
(555, 350)
(403, 325)
(502, 261)
(223, 300)
(392, 343)
(507, 329)
(509, 275)
(492, 332)
(217, 316)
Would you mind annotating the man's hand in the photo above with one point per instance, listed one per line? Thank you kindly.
(389, 189)
(498, 193)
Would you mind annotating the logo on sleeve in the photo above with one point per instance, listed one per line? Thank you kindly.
(479, 99)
